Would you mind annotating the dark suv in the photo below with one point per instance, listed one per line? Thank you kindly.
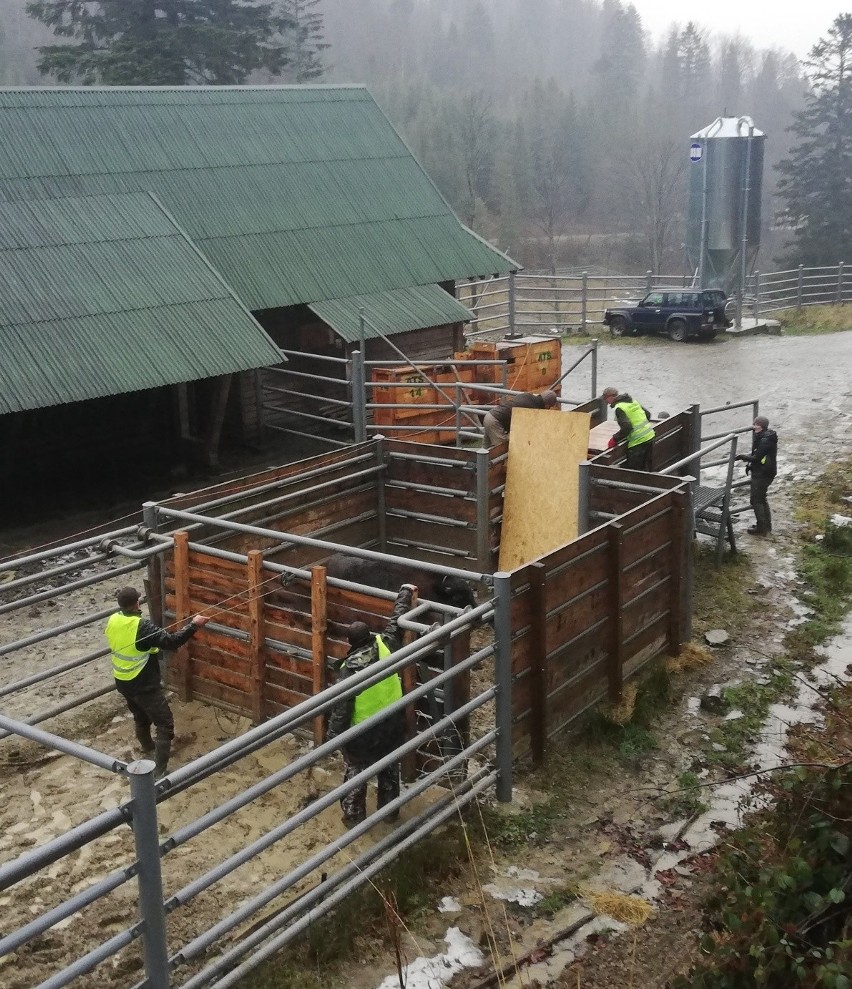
(679, 312)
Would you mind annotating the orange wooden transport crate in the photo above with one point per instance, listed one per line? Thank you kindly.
(403, 385)
(533, 364)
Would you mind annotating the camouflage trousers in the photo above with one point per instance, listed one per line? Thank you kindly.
(354, 804)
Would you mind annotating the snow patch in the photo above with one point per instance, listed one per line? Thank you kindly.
(432, 973)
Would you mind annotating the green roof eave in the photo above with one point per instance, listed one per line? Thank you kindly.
(106, 295)
(389, 313)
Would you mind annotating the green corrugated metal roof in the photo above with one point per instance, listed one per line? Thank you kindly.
(391, 312)
(295, 193)
(101, 295)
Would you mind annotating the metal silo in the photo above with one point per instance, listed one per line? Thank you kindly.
(725, 189)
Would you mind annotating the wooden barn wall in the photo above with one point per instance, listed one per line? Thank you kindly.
(433, 343)
(280, 640)
(588, 616)
(48, 456)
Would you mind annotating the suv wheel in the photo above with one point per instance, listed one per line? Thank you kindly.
(677, 330)
(618, 326)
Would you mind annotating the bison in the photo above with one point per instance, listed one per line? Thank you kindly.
(391, 576)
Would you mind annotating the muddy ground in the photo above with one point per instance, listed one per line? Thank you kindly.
(803, 385)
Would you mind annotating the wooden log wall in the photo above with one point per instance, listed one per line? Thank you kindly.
(589, 615)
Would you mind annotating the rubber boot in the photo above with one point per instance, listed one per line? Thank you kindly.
(761, 526)
(768, 518)
(162, 751)
(143, 736)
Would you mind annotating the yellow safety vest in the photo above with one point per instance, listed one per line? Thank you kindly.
(127, 661)
(642, 431)
(381, 694)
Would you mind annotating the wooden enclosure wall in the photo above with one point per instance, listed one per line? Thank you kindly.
(422, 504)
(281, 637)
(331, 497)
(589, 615)
(676, 437)
(430, 498)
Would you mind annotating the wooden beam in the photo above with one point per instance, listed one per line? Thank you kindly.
(615, 532)
(538, 616)
(183, 668)
(257, 635)
(215, 419)
(319, 629)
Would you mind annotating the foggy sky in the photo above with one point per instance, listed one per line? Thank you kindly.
(788, 24)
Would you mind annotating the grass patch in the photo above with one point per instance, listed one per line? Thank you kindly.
(815, 320)
(686, 800)
(721, 598)
(323, 957)
(555, 901)
(817, 500)
(753, 699)
(511, 830)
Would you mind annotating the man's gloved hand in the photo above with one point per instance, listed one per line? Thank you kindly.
(741, 458)
(611, 444)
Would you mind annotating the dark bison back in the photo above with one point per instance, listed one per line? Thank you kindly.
(391, 576)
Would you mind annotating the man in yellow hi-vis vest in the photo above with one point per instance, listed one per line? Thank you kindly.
(388, 733)
(634, 426)
(134, 642)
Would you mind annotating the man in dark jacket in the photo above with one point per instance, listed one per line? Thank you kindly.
(761, 464)
(134, 642)
(633, 426)
(498, 421)
(388, 733)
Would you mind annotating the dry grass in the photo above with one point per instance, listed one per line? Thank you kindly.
(814, 320)
(622, 713)
(621, 907)
(692, 656)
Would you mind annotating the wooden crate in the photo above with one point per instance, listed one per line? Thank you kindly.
(424, 426)
(533, 364)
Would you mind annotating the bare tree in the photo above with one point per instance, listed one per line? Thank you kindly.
(655, 174)
(476, 127)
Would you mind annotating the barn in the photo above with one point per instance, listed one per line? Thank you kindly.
(161, 245)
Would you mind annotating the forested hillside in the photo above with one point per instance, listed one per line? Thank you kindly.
(556, 128)
(551, 124)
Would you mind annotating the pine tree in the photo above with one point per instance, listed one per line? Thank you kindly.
(816, 178)
(305, 41)
(160, 42)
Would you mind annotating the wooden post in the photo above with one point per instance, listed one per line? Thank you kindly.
(678, 503)
(215, 418)
(615, 532)
(538, 666)
(257, 635)
(182, 666)
(319, 628)
(409, 682)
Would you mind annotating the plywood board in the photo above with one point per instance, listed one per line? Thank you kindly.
(542, 483)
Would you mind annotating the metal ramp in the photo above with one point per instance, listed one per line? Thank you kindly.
(713, 517)
(712, 505)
